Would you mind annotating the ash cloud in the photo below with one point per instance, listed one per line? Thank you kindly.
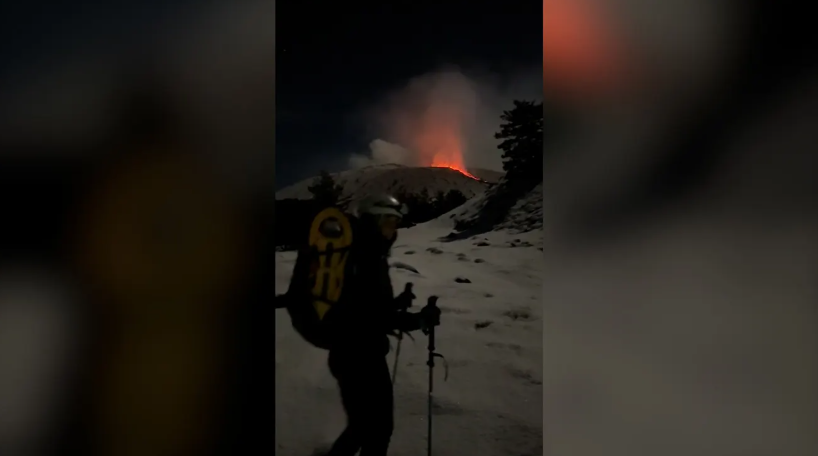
(448, 112)
(383, 152)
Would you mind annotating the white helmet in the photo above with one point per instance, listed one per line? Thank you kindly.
(380, 204)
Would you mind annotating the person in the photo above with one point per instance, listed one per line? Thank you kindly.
(359, 324)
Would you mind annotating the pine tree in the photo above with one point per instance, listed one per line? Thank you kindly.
(324, 189)
(454, 198)
(522, 145)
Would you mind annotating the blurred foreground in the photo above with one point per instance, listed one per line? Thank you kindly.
(136, 176)
(681, 261)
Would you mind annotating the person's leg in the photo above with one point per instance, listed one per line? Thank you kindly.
(346, 371)
(379, 412)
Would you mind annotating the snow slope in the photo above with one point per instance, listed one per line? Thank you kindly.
(391, 179)
(487, 175)
(491, 335)
(524, 214)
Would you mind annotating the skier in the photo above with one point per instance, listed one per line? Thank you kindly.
(357, 325)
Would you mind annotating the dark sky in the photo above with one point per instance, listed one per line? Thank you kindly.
(67, 70)
(332, 63)
(31, 32)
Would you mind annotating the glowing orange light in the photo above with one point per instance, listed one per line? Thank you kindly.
(580, 51)
(441, 161)
(439, 142)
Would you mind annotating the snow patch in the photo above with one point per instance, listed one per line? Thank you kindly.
(490, 333)
(393, 179)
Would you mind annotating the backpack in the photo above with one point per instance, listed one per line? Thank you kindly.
(318, 279)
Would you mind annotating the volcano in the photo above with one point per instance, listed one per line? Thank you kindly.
(459, 170)
(446, 153)
(399, 179)
(439, 142)
(452, 159)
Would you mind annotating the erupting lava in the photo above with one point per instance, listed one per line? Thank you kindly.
(440, 145)
(438, 137)
(445, 160)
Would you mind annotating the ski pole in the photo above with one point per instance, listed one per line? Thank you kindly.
(404, 305)
(432, 303)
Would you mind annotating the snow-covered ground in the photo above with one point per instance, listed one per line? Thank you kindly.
(491, 335)
(525, 214)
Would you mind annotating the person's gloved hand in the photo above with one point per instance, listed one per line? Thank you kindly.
(404, 300)
(429, 317)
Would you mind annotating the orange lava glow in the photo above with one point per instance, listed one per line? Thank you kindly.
(452, 159)
(440, 143)
(580, 53)
(460, 170)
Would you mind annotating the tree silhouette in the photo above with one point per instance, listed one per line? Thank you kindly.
(324, 189)
(424, 207)
(522, 145)
(454, 198)
(446, 201)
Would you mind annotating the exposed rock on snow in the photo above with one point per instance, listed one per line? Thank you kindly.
(402, 265)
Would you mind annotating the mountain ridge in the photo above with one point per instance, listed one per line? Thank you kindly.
(398, 179)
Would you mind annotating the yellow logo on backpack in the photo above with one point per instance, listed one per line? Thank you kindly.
(330, 241)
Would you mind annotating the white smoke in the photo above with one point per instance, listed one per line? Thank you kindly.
(382, 152)
(440, 104)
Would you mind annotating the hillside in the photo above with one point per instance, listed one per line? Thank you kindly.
(510, 207)
(396, 179)
(488, 175)
(502, 207)
(490, 294)
(526, 215)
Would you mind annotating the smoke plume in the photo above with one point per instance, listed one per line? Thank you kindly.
(445, 118)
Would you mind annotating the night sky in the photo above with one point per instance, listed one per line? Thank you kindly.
(34, 32)
(332, 63)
